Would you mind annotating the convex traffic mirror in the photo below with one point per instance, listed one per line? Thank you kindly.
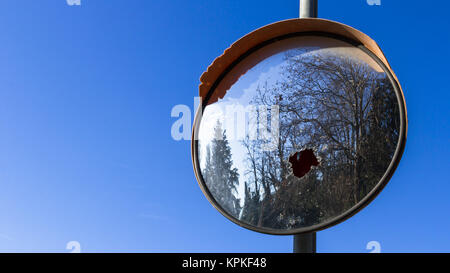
(302, 124)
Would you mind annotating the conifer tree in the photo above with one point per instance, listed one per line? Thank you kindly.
(220, 176)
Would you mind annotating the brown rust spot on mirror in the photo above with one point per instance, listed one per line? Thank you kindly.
(302, 162)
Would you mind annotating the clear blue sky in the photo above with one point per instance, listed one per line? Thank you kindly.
(86, 152)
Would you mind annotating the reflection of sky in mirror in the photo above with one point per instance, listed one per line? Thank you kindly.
(241, 93)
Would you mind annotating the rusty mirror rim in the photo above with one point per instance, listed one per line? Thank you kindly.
(280, 31)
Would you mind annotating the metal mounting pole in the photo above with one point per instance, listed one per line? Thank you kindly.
(306, 243)
(308, 8)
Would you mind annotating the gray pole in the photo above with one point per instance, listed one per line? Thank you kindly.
(308, 8)
(306, 243)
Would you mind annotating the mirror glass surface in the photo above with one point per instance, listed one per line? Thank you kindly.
(298, 133)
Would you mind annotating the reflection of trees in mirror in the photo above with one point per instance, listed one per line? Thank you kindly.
(342, 108)
(220, 176)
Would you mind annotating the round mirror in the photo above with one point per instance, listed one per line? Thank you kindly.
(299, 134)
